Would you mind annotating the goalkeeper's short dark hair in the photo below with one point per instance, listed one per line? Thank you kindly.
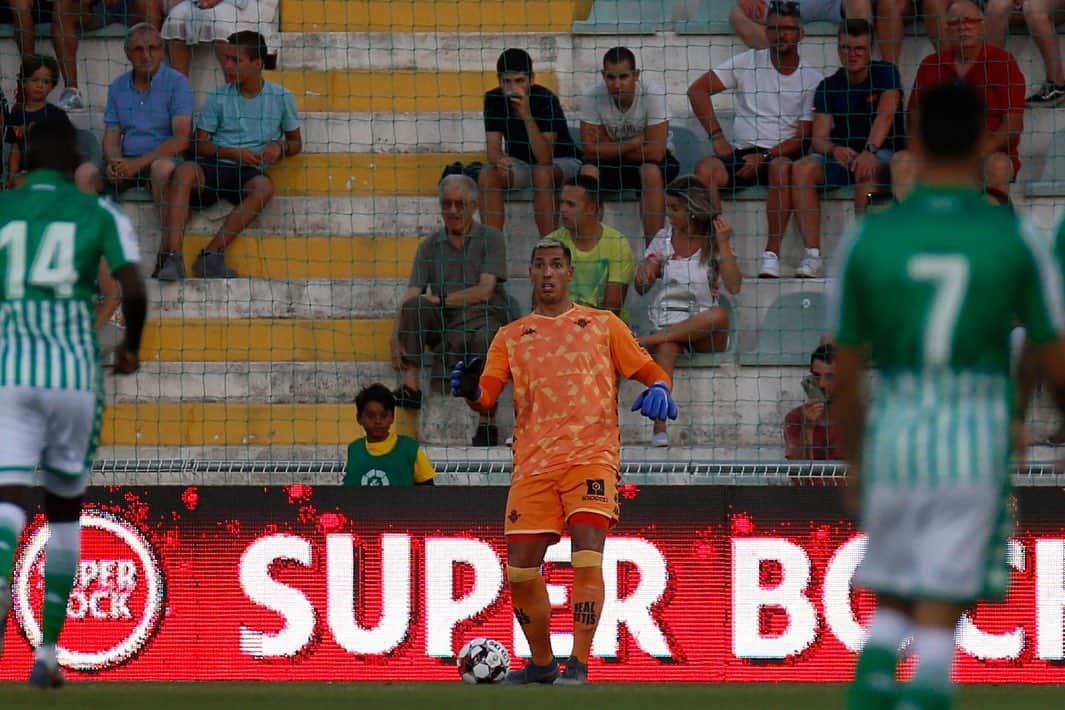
(950, 121)
(551, 243)
(376, 392)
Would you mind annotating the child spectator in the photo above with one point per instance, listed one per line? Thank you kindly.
(382, 457)
(690, 258)
(37, 77)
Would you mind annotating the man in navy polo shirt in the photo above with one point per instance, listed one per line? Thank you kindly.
(148, 121)
(858, 126)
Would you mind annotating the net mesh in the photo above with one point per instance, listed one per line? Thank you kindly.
(244, 376)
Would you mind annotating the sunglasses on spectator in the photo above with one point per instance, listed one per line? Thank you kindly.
(959, 21)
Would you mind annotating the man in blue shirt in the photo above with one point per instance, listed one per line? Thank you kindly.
(246, 125)
(148, 121)
(858, 126)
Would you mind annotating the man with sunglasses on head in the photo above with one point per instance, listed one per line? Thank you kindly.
(967, 57)
(774, 97)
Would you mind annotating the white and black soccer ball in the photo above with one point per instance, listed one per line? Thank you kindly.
(483, 661)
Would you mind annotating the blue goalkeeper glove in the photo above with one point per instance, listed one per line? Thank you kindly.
(466, 379)
(656, 403)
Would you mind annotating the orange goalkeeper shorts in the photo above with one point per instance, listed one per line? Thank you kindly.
(543, 503)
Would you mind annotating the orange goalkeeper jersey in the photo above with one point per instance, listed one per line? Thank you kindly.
(564, 370)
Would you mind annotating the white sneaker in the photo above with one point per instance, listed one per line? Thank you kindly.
(509, 441)
(810, 266)
(660, 439)
(71, 100)
(770, 266)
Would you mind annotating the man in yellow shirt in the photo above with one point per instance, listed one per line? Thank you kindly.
(382, 457)
(603, 264)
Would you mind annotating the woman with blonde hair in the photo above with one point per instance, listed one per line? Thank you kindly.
(689, 260)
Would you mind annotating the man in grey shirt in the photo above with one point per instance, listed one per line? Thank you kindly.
(455, 301)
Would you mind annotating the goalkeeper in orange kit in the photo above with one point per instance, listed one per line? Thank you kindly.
(564, 360)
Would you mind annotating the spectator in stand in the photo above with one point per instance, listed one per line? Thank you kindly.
(748, 17)
(601, 255)
(690, 260)
(529, 142)
(69, 17)
(1041, 17)
(37, 78)
(382, 457)
(773, 117)
(454, 301)
(625, 136)
(808, 430)
(192, 22)
(888, 18)
(148, 121)
(994, 73)
(858, 126)
(232, 154)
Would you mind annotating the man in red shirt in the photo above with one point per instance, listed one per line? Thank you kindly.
(990, 70)
(808, 430)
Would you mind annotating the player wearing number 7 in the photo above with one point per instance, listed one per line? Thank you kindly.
(929, 289)
(564, 361)
(52, 238)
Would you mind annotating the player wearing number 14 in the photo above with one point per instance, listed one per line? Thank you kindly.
(52, 238)
(932, 287)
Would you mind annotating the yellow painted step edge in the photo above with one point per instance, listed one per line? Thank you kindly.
(236, 424)
(490, 16)
(301, 257)
(266, 339)
(362, 174)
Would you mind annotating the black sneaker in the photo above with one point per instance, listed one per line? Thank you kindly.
(1049, 94)
(533, 673)
(407, 397)
(576, 673)
(487, 435)
(212, 265)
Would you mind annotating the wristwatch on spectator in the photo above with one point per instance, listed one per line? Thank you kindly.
(872, 148)
(766, 157)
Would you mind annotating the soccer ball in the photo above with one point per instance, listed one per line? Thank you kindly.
(483, 661)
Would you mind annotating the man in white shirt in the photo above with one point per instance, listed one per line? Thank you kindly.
(625, 136)
(773, 117)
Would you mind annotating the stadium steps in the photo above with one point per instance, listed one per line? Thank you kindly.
(386, 16)
(329, 220)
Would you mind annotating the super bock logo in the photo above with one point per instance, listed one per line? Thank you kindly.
(117, 599)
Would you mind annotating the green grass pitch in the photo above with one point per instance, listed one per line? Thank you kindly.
(399, 696)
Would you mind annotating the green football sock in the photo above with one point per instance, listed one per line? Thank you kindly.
(60, 566)
(12, 520)
(874, 686)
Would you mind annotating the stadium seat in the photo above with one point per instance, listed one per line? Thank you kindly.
(625, 17)
(1052, 182)
(789, 332)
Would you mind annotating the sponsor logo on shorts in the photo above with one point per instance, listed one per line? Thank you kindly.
(514, 515)
(596, 490)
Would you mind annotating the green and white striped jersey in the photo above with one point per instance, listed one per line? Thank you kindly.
(933, 286)
(51, 240)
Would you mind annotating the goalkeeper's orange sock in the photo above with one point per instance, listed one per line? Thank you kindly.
(588, 597)
(533, 611)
